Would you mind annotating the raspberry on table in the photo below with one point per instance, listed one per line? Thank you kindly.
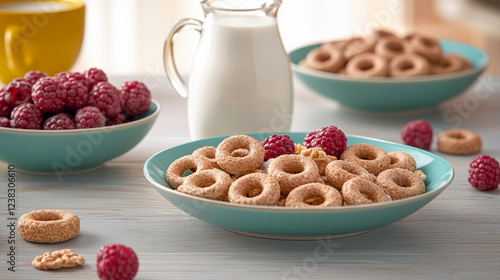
(17, 92)
(65, 76)
(107, 98)
(331, 139)
(94, 76)
(4, 106)
(26, 116)
(136, 97)
(484, 173)
(59, 122)
(4, 122)
(277, 145)
(77, 94)
(33, 76)
(49, 95)
(116, 262)
(418, 134)
(89, 117)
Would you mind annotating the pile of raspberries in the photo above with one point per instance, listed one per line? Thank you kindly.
(70, 100)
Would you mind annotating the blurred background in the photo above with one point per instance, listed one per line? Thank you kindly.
(125, 37)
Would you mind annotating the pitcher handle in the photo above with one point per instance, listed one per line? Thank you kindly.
(168, 53)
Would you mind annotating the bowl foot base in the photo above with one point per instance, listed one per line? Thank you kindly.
(299, 237)
(51, 173)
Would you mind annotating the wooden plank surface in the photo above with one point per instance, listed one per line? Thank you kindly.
(456, 236)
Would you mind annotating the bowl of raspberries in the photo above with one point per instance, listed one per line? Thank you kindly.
(72, 122)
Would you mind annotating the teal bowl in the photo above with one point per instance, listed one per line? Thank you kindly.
(385, 94)
(299, 223)
(72, 151)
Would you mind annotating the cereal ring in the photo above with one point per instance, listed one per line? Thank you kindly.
(408, 65)
(402, 160)
(449, 64)
(400, 183)
(459, 142)
(358, 46)
(367, 65)
(420, 174)
(383, 33)
(339, 45)
(239, 165)
(338, 172)
(180, 165)
(292, 171)
(359, 191)
(426, 47)
(235, 177)
(48, 226)
(209, 153)
(324, 59)
(239, 153)
(370, 157)
(314, 195)
(210, 183)
(390, 47)
(255, 189)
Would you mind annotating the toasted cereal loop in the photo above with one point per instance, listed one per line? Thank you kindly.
(338, 172)
(402, 160)
(209, 153)
(240, 153)
(324, 59)
(408, 65)
(357, 46)
(180, 165)
(255, 189)
(210, 183)
(370, 157)
(235, 177)
(400, 183)
(314, 195)
(390, 46)
(359, 191)
(426, 47)
(292, 171)
(459, 142)
(65, 258)
(48, 226)
(318, 155)
(367, 65)
(420, 174)
(449, 64)
(236, 164)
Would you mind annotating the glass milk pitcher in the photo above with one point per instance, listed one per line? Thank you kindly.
(240, 80)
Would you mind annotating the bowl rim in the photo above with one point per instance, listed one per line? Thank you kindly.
(390, 80)
(305, 209)
(137, 122)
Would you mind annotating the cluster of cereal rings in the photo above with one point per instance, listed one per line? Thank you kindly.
(384, 54)
(235, 171)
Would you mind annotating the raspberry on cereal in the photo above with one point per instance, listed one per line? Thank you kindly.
(484, 173)
(77, 94)
(94, 76)
(107, 98)
(277, 145)
(17, 92)
(59, 122)
(33, 76)
(117, 262)
(89, 117)
(136, 97)
(49, 95)
(418, 134)
(331, 139)
(26, 116)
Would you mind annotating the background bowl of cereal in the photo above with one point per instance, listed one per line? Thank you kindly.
(404, 81)
(299, 223)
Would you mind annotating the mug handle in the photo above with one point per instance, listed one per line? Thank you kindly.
(13, 53)
(168, 53)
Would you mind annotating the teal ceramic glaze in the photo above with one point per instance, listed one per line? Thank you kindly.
(383, 94)
(72, 151)
(299, 223)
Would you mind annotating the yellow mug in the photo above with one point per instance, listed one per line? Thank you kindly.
(43, 35)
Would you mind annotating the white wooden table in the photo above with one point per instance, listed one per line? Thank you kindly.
(456, 236)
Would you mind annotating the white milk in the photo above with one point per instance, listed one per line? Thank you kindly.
(33, 6)
(241, 80)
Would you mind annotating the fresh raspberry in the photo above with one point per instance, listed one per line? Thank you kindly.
(4, 106)
(484, 173)
(107, 98)
(89, 117)
(277, 145)
(119, 119)
(17, 92)
(77, 94)
(4, 122)
(95, 76)
(65, 76)
(308, 139)
(116, 262)
(33, 76)
(59, 122)
(26, 116)
(331, 139)
(49, 95)
(136, 97)
(417, 134)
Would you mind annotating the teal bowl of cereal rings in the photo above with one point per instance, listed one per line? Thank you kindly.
(72, 151)
(389, 94)
(299, 223)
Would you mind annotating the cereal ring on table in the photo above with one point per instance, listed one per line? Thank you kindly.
(48, 226)
(240, 164)
(314, 195)
(210, 183)
(459, 142)
(402, 160)
(426, 47)
(338, 172)
(367, 65)
(449, 64)
(180, 165)
(370, 157)
(255, 189)
(209, 153)
(324, 59)
(292, 171)
(359, 191)
(390, 47)
(357, 46)
(409, 65)
(400, 183)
